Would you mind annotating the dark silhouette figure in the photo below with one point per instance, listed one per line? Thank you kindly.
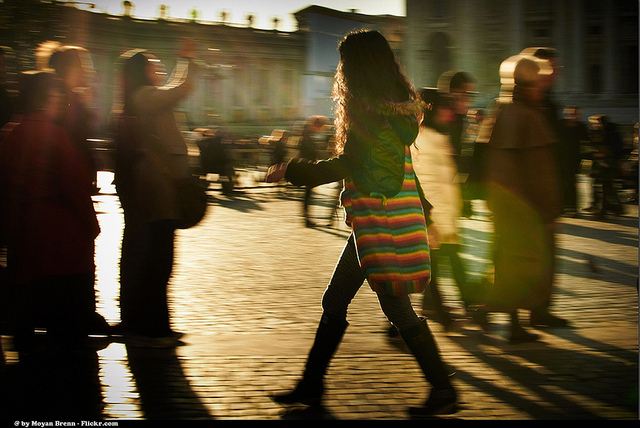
(49, 222)
(606, 153)
(308, 150)
(72, 65)
(215, 159)
(524, 195)
(6, 103)
(150, 155)
(576, 136)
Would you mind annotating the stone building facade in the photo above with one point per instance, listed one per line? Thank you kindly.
(256, 80)
(597, 42)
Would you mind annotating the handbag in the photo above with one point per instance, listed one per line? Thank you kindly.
(190, 190)
(192, 200)
(391, 236)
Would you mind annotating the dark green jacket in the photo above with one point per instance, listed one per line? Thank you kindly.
(373, 156)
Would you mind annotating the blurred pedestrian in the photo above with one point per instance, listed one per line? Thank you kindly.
(215, 158)
(6, 103)
(462, 87)
(7, 111)
(606, 154)
(475, 180)
(630, 166)
(376, 123)
(150, 155)
(73, 66)
(308, 150)
(524, 196)
(434, 165)
(49, 221)
(576, 136)
(553, 112)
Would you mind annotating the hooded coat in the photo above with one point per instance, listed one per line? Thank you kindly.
(523, 193)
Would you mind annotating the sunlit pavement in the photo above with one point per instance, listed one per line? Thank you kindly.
(246, 290)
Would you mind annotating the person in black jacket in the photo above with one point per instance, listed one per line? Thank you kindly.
(607, 150)
(576, 135)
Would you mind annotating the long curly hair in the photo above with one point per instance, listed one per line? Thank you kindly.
(368, 78)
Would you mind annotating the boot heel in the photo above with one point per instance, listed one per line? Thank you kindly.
(440, 402)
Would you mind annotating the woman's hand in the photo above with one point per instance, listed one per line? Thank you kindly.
(276, 173)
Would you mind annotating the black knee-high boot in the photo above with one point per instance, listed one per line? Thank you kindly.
(442, 399)
(309, 390)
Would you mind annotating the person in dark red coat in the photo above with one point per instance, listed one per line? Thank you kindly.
(49, 220)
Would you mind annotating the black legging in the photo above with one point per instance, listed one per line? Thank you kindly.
(346, 281)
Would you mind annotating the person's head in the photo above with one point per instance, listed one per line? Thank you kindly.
(462, 87)
(139, 68)
(369, 75)
(438, 109)
(572, 113)
(41, 91)
(72, 64)
(525, 78)
(368, 69)
(550, 55)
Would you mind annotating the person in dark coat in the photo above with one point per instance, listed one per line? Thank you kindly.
(576, 135)
(606, 153)
(6, 103)
(308, 150)
(215, 159)
(524, 195)
(49, 221)
(72, 65)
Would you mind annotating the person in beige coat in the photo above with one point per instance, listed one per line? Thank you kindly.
(435, 166)
(151, 155)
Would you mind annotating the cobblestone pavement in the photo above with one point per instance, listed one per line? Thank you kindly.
(246, 290)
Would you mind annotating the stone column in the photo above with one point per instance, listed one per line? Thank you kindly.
(609, 62)
(575, 66)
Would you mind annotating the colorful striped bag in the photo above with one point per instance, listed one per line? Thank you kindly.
(391, 236)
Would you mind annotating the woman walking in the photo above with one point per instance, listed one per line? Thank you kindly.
(376, 122)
